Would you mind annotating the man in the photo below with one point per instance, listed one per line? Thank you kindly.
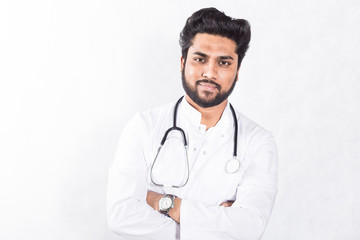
(220, 187)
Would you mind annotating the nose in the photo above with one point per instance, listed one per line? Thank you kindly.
(210, 71)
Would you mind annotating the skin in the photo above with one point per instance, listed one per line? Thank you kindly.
(212, 58)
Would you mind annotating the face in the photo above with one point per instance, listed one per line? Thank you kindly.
(210, 71)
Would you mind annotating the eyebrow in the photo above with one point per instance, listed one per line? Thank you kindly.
(201, 54)
(221, 57)
(226, 57)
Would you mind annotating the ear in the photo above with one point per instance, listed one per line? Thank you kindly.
(182, 61)
(237, 73)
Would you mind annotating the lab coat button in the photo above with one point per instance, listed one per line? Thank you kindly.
(204, 152)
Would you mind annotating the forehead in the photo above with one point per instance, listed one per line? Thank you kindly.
(213, 45)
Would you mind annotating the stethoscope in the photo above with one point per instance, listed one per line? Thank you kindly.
(232, 165)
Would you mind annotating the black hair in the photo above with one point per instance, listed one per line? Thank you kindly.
(212, 21)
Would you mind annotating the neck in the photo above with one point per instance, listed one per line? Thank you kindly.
(211, 115)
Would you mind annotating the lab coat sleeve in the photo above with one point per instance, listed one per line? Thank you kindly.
(128, 213)
(247, 218)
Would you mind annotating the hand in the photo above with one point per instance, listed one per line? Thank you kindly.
(153, 199)
(227, 204)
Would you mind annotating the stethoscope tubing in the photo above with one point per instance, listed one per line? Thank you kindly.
(235, 131)
(174, 127)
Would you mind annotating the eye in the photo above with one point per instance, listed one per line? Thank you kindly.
(201, 60)
(225, 63)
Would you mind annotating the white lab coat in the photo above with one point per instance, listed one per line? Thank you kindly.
(253, 187)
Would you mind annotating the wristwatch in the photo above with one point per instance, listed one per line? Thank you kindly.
(166, 203)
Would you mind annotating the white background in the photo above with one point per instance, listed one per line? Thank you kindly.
(73, 72)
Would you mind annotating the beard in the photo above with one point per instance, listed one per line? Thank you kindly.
(208, 100)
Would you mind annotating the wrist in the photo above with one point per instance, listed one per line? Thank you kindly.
(153, 199)
(174, 212)
(165, 203)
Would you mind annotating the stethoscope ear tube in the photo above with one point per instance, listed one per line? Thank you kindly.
(235, 131)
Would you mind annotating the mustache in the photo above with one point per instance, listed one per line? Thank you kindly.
(208, 81)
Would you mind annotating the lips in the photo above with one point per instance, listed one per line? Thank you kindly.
(208, 85)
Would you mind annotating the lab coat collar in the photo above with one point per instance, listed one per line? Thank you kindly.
(194, 116)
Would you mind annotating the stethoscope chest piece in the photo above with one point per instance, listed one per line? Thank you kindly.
(232, 166)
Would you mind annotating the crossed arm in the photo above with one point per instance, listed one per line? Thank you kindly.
(131, 206)
(153, 199)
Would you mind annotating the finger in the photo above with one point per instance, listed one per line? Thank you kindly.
(230, 203)
(227, 204)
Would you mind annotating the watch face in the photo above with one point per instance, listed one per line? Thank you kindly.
(165, 203)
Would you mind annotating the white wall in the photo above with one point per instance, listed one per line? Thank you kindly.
(73, 72)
